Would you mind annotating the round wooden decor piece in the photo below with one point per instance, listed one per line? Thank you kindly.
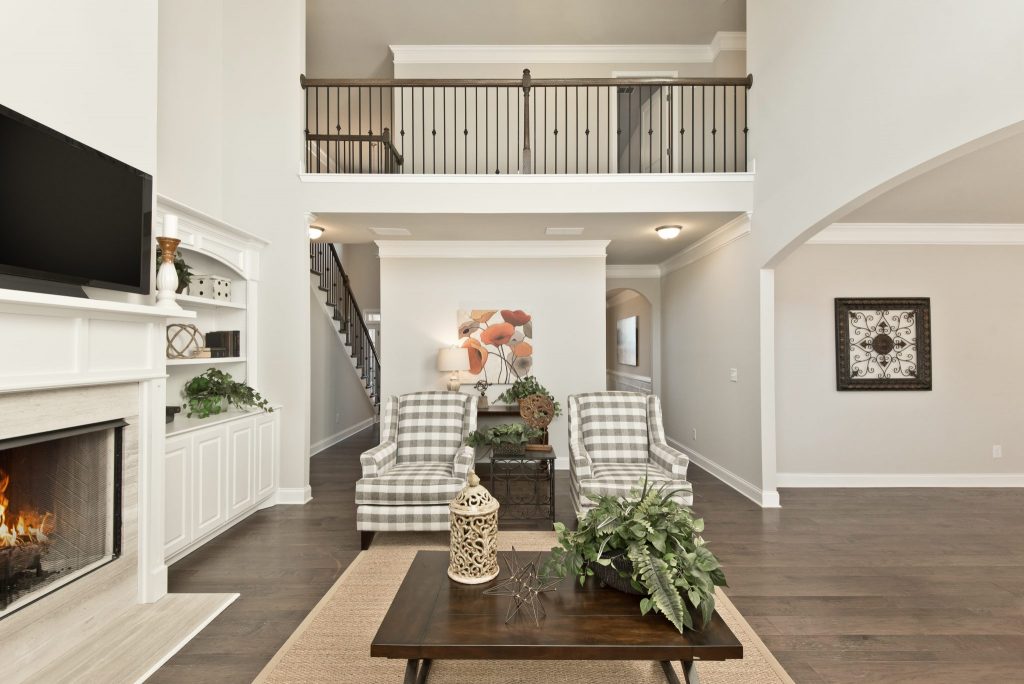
(183, 339)
(537, 410)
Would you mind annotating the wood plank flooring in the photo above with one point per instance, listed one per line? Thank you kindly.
(854, 585)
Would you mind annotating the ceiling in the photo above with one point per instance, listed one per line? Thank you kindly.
(633, 240)
(983, 186)
(350, 39)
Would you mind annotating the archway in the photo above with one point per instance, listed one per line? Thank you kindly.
(631, 340)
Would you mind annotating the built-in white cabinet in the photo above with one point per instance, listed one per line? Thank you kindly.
(217, 474)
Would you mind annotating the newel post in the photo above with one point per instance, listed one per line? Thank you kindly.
(527, 153)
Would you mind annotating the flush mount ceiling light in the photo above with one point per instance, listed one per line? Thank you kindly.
(668, 232)
(315, 232)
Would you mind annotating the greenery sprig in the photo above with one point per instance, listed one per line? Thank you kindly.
(207, 394)
(508, 433)
(668, 559)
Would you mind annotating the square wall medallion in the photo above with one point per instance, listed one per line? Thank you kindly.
(883, 344)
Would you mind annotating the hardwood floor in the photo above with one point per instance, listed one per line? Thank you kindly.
(847, 585)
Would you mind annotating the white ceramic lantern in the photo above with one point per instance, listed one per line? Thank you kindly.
(473, 519)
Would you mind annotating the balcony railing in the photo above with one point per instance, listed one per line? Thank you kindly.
(540, 126)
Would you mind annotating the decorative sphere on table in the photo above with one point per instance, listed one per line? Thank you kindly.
(473, 519)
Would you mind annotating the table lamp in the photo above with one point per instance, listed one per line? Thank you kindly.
(452, 360)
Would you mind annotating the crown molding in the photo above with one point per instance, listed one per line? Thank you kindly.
(632, 271)
(920, 234)
(570, 54)
(733, 230)
(492, 249)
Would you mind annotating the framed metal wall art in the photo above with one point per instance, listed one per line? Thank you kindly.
(883, 344)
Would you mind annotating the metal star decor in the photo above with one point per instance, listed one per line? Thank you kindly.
(523, 587)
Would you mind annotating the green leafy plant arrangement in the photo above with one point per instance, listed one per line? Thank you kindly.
(653, 542)
(507, 433)
(214, 391)
(183, 270)
(523, 388)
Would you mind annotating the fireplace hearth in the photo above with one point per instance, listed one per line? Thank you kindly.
(60, 509)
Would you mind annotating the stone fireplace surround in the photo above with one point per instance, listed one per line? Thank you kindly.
(66, 363)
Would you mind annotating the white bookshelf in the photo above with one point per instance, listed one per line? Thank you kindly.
(220, 469)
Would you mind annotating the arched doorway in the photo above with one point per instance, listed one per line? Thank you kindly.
(630, 341)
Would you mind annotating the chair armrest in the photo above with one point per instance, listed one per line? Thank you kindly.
(669, 459)
(377, 460)
(580, 460)
(464, 459)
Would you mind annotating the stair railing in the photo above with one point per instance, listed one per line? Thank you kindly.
(326, 264)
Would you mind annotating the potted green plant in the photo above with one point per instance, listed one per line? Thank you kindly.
(183, 270)
(509, 439)
(214, 391)
(523, 388)
(644, 544)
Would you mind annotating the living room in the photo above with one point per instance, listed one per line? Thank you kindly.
(343, 228)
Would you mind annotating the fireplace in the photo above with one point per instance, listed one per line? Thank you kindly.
(60, 509)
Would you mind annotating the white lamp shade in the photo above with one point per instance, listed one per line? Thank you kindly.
(453, 359)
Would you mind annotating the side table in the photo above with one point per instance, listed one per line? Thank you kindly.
(524, 484)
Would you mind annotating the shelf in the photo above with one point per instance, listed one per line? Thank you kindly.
(96, 308)
(182, 424)
(498, 410)
(206, 302)
(205, 362)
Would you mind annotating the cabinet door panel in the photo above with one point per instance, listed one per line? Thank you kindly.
(241, 462)
(209, 458)
(177, 509)
(266, 455)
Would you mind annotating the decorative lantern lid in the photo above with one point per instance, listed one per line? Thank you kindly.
(473, 499)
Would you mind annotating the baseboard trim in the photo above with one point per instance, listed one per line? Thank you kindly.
(331, 440)
(882, 480)
(293, 496)
(764, 499)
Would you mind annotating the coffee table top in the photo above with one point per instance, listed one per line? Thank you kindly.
(435, 618)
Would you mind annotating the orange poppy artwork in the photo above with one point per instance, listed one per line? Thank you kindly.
(500, 344)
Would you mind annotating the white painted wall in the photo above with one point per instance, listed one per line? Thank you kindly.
(362, 265)
(420, 299)
(338, 402)
(191, 100)
(710, 321)
(87, 70)
(630, 303)
(650, 288)
(977, 319)
(861, 93)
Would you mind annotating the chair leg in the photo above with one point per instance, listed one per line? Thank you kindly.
(365, 539)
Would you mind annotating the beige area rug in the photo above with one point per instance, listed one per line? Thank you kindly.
(333, 643)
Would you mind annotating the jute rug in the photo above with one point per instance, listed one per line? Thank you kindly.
(333, 643)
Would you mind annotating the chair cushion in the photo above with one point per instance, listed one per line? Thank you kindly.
(410, 483)
(431, 426)
(617, 479)
(613, 426)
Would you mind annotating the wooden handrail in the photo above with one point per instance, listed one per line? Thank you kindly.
(384, 139)
(355, 305)
(747, 81)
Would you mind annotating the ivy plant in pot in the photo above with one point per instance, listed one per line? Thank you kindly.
(509, 439)
(523, 388)
(215, 391)
(644, 544)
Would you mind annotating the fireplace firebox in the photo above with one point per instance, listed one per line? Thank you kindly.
(60, 509)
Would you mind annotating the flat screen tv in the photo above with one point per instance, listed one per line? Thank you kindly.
(70, 216)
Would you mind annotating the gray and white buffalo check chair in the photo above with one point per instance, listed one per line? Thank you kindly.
(615, 439)
(420, 465)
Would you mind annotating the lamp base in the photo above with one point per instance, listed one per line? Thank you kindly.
(453, 382)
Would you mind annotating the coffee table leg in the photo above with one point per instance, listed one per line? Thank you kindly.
(424, 669)
(689, 672)
(411, 669)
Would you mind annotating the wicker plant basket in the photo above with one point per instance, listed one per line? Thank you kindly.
(609, 574)
(508, 449)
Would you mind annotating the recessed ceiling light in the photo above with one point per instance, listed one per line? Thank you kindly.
(668, 232)
(390, 232)
(315, 232)
(563, 231)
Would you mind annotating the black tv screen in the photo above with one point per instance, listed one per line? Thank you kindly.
(68, 213)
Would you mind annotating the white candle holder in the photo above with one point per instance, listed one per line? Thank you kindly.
(167, 274)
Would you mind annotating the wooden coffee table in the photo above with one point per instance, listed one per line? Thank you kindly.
(434, 618)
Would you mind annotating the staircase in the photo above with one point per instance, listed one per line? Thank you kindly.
(330, 278)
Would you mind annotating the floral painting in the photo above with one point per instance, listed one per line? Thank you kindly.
(500, 344)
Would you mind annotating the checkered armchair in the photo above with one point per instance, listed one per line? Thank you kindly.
(615, 438)
(421, 463)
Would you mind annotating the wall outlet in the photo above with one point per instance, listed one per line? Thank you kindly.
(734, 375)
(997, 451)
(694, 434)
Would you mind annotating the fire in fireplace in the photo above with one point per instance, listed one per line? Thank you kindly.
(60, 509)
